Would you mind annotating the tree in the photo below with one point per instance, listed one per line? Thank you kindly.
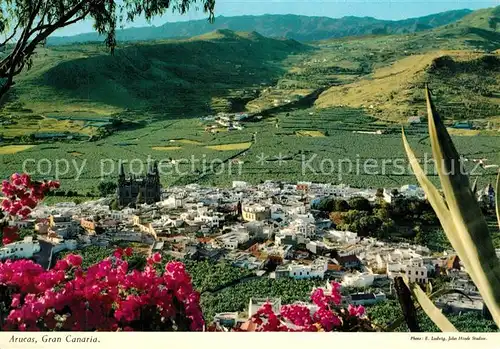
(419, 235)
(342, 206)
(27, 24)
(326, 204)
(493, 22)
(106, 188)
(388, 226)
(114, 205)
(337, 218)
(360, 204)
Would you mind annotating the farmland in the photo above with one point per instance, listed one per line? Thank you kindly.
(56, 121)
(260, 151)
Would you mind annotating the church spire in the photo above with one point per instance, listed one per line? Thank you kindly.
(121, 176)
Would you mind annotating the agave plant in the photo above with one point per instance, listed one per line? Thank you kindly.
(461, 218)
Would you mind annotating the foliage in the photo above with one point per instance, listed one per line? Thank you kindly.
(91, 255)
(434, 239)
(106, 188)
(208, 276)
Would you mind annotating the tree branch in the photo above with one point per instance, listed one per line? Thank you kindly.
(11, 36)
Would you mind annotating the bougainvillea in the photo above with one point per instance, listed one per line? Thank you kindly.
(104, 297)
(21, 196)
(324, 314)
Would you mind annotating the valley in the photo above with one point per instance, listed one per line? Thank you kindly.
(313, 105)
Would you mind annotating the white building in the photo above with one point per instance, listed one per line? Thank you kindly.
(358, 280)
(232, 240)
(416, 271)
(240, 185)
(173, 201)
(315, 270)
(339, 190)
(413, 268)
(412, 191)
(344, 237)
(20, 249)
(304, 226)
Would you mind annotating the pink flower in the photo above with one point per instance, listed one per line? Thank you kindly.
(357, 311)
(6, 204)
(118, 253)
(25, 179)
(62, 265)
(16, 300)
(74, 260)
(156, 257)
(128, 251)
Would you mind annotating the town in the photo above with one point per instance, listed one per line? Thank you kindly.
(273, 230)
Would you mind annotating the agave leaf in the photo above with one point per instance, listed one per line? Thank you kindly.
(430, 309)
(435, 199)
(399, 321)
(445, 291)
(428, 289)
(407, 304)
(474, 186)
(476, 248)
(497, 198)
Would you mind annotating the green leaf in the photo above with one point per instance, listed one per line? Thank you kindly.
(459, 212)
(430, 309)
(474, 186)
(497, 198)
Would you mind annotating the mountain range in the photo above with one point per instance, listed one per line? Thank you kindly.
(301, 28)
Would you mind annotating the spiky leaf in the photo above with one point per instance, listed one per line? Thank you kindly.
(461, 216)
(430, 309)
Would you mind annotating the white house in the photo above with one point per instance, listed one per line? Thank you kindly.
(300, 271)
(232, 240)
(412, 191)
(304, 226)
(345, 237)
(173, 201)
(20, 249)
(240, 185)
(359, 280)
(416, 271)
(413, 268)
(339, 190)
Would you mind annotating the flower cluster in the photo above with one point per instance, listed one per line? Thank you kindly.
(324, 314)
(22, 195)
(105, 297)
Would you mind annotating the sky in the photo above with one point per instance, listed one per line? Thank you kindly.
(381, 9)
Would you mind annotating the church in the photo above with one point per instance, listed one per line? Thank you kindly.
(139, 190)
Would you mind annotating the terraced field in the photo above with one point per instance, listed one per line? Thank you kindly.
(368, 88)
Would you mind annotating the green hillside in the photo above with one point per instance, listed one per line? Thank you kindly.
(302, 28)
(367, 85)
(459, 61)
(151, 76)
